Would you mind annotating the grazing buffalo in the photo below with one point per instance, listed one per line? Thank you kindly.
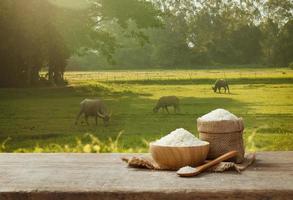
(221, 83)
(166, 101)
(95, 108)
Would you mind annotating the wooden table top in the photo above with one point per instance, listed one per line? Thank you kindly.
(105, 176)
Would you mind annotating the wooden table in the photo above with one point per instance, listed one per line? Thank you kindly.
(104, 176)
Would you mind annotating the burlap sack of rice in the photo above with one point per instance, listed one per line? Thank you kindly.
(223, 136)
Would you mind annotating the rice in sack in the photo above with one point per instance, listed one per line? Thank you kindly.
(223, 130)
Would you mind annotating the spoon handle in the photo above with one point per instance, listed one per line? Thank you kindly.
(221, 158)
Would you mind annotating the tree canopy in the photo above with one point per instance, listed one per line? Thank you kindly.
(43, 35)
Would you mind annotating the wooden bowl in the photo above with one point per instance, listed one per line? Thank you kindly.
(173, 158)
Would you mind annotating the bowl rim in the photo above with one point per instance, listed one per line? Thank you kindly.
(168, 146)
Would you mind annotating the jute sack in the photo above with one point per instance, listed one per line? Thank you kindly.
(223, 136)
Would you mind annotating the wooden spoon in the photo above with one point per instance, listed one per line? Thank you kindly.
(190, 171)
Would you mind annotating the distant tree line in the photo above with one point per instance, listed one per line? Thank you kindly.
(204, 32)
(39, 37)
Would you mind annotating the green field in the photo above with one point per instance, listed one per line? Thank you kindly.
(40, 117)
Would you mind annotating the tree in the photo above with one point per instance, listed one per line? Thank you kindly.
(142, 13)
(283, 50)
(277, 38)
(39, 34)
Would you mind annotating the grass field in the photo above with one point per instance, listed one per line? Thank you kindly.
(43, 118)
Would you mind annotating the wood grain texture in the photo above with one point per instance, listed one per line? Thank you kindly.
(174, 158)
(104, 176)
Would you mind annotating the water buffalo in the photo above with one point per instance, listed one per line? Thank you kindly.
(95, 108)
(221, 83)
(166, 101)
